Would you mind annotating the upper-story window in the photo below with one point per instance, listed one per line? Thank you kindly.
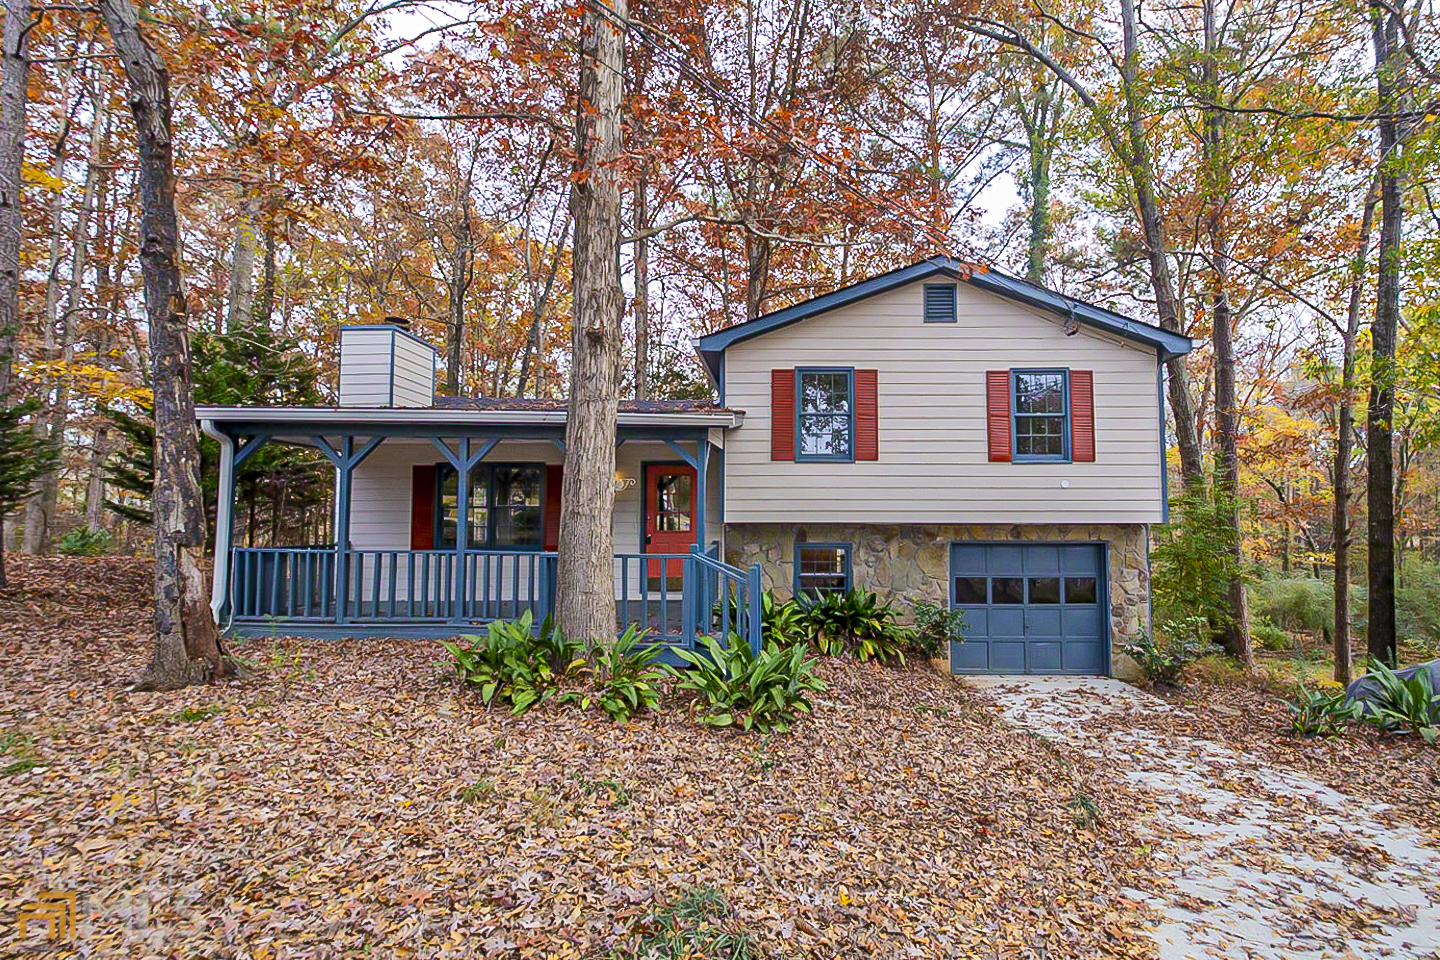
(1040, 401)
(825, 414)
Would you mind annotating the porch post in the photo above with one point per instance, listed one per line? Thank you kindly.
(702, 463)
(462, 529)
(342, 528)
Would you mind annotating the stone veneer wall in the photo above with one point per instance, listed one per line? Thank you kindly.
(911, 562)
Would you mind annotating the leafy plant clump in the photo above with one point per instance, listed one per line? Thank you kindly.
(1184, 642)
(626, 678)
(699, 924)
(857, 622)
(1317, 713)
(84, 542)
(755, 691)
(936, 627)
(516, 664)
(1411, 705)
(782, 622)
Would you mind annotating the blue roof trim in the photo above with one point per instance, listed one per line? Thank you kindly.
(712, 347)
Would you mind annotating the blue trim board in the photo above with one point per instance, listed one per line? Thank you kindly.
(849, 373)
(712, 347)
(1164, 448)
(1015, 415)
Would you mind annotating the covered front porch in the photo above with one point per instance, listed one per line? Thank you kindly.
(448, 518)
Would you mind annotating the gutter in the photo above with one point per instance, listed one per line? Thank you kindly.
(428, 415)
(224, 518)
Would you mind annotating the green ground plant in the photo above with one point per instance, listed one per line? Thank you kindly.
(936, 627)
(856, 622)
(625, 677)
(1410, 705)
(1320, 713)
(698, 926)
(515, 664)
(1181, 643)
(84, 542)
(753, 691)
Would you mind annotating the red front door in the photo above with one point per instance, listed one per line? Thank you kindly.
(669, 515)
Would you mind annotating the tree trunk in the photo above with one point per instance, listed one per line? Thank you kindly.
(642, 289)
(462, 271)
(1344, 446)
(14, 76)
(95, 488)
(1380, 492)
(1162, 282)
(240, 305)
(45, 501)
(187, 644)
(1236, 632)
(585, 593)
(265, 298)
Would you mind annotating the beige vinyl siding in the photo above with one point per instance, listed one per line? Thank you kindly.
(934, 465)
(381, 493)
(373, 361)
(365, 368)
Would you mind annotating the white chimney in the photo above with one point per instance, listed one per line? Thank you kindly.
(385, 365)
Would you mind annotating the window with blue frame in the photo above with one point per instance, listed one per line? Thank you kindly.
(822, 568)
(1040, 401)
(825, 414)
(506, 506)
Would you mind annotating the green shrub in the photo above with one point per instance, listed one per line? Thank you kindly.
(1191, 563)
(626, 679)
(762, 691)
(1184, 641)
(1268, 636)
(699, 925)
(1317, 713)
(1412, 704)
(514, 663)
(84, 542)
(936, 627)
(781, 622)
(1417, 604)
(1294, 603)
(856, 622)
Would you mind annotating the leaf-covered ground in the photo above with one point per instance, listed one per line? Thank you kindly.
(1398, 772)
(351, 801)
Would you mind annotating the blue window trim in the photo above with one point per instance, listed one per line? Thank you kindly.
(954, 303)
(799, 399)
(487, 470)
(1015, 415)
(845, 548)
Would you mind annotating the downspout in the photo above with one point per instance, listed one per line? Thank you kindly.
(220, 577)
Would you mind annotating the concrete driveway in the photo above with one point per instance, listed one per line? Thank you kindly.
(1262, 862)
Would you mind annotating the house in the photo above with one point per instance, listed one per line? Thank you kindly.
(932, 433)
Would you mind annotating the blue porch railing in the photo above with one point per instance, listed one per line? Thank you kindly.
(673, 597)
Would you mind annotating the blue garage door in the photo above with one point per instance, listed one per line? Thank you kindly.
(1030, 608)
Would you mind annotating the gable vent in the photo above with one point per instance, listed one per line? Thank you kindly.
(939, 303)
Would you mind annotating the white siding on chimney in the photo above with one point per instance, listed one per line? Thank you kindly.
(383, 366)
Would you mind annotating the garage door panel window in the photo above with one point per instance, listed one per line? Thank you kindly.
(1007, 590)
(972, 590)
(1044, 589)
(1080, 590)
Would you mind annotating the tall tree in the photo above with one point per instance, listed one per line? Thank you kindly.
(1379, 431)
(585, 593)
(187, 643)
(13, 83)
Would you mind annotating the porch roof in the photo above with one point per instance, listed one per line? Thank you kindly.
(507, 415)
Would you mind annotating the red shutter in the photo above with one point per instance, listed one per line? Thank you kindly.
(997, 413)
(782, 414)
(554, 479)
(867, 415)
(1082, 416)
(422, 506)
